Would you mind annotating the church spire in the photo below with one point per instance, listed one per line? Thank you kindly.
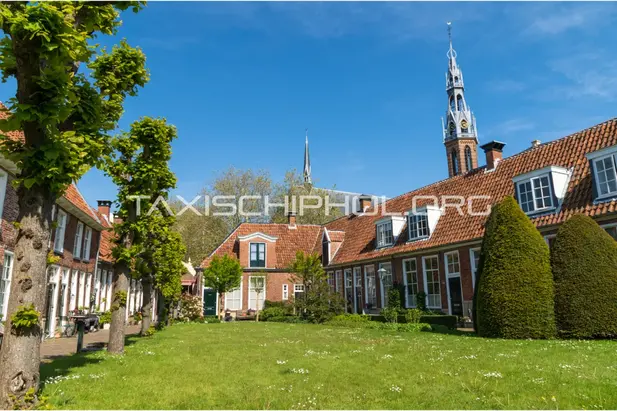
(307, 162)
(459, 131)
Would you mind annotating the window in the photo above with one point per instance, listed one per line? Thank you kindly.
(410, 279)
(550, 240)
(606, 179)
(331, 280)
(612, 231)
(468, 160)
(258, 255)
(60, 230)
(453, 268)
(339, 281)
(285, 292)
(358, 289)
(418, 226)
(5, 282)
(431, 282)
(459, 100)
(257, 292)
(349, 296)
(233, 299)
(82, 290)
(77, 245)
(474, 255)
(371, 286)
(384, 234)
(454, 157)
(535, 194)
(298, 291)
(87, 242)
(386, 282)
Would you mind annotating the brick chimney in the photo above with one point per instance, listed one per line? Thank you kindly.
(365, 202)
(493, 153)
(291, 219)
(104, 207)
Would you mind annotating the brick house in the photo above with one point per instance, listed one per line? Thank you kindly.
(428, 240)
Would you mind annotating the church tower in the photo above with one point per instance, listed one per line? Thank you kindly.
(460, 135)
(307, 163)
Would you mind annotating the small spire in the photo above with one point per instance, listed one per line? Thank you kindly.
(451, 53)
(307, 162)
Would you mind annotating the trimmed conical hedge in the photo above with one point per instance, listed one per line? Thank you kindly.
(584, 263)
(515, 285)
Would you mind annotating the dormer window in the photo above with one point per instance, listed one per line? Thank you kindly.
(541, 190)
(604, 169)
(422, 222)
(384, 234)
(257, 255)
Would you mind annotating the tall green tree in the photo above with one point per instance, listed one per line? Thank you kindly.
(318, 303)
(515, 286)
(139, 167)
(66, 117)
(223, 274)
(584, 263)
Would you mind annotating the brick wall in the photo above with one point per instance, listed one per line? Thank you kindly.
(10, 211)
(459, 146)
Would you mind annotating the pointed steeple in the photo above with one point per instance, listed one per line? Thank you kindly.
(460, 134)
(307, 162)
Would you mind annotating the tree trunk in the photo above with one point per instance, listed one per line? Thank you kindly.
(118, 309)
(146, 314)
(20, 353)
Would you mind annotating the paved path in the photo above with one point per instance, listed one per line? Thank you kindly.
(59, 347)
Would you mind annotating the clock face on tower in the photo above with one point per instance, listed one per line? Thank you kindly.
(464, 124)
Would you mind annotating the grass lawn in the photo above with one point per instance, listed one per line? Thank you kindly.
(297, 366)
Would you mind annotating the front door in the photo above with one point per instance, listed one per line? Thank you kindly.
(209, 301)
(456, 295)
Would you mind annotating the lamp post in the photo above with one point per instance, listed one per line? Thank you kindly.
(382, 272)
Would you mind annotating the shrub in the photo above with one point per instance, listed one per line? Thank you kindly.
(394, 297)
(405, 327)
(211, 319)
(105, 318)
(421, 301)
(190, 308)
(390, 314)
(412, 316)
(584, 264)
(358, 318)
(449, 321)
(515, 286)
(270, 312)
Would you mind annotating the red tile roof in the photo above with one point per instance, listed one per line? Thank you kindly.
(13, 135)
(107, 236)
(289, 241)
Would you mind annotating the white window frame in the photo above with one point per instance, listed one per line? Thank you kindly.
(348, 286)
(410, 304)
(366, 299)
(453, 274)
(6, 278)
(262, 296)
(357, 277)
(414, 220)
(60, 231)
(338, 277)
(257, 253)
(228, 297)
(87, 244)
(424, 273)
(285, 292)
(595, 161)
(383, 240)
(472, 263)
(531, 181)
(382, 287)
(331, 280)
(77, 246)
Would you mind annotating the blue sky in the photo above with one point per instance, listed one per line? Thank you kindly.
(241, 81)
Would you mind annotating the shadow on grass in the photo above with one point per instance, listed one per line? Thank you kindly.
(62, 365)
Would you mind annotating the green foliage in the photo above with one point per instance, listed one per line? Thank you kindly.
(357, 318)
(211, 319)
(52, 258)
(223, 274)
(390, 314)
(421, 301)
(449, 321)
(270, 312)
(191, 308)
(105, 318)
(65, 114)
(292, 319)
(515, 285)
(120, 298)
(394, 298)
(285, 305)
(318, 303)
(365, 321)
(413, 315)
(30, 401)
(584, 264)
(150, 331)
(25, 318)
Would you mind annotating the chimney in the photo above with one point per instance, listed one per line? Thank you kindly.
(493, 153)
(365, 202)
(104, 207)
(535, 143)
(291, 219)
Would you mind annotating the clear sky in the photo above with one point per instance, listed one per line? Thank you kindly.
(241, 81)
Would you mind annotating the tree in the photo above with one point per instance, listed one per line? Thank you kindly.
(223, 274)
(259, 286)
(318, 303)
(584, 263)
(515, 286)
(293, 187)
(139, 167)
(66, 117)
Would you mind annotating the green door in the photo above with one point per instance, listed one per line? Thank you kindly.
(209, 301)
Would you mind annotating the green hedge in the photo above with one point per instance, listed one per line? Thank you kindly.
(287, 319)
(514, 297)
(584, 264)
(449, 321)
